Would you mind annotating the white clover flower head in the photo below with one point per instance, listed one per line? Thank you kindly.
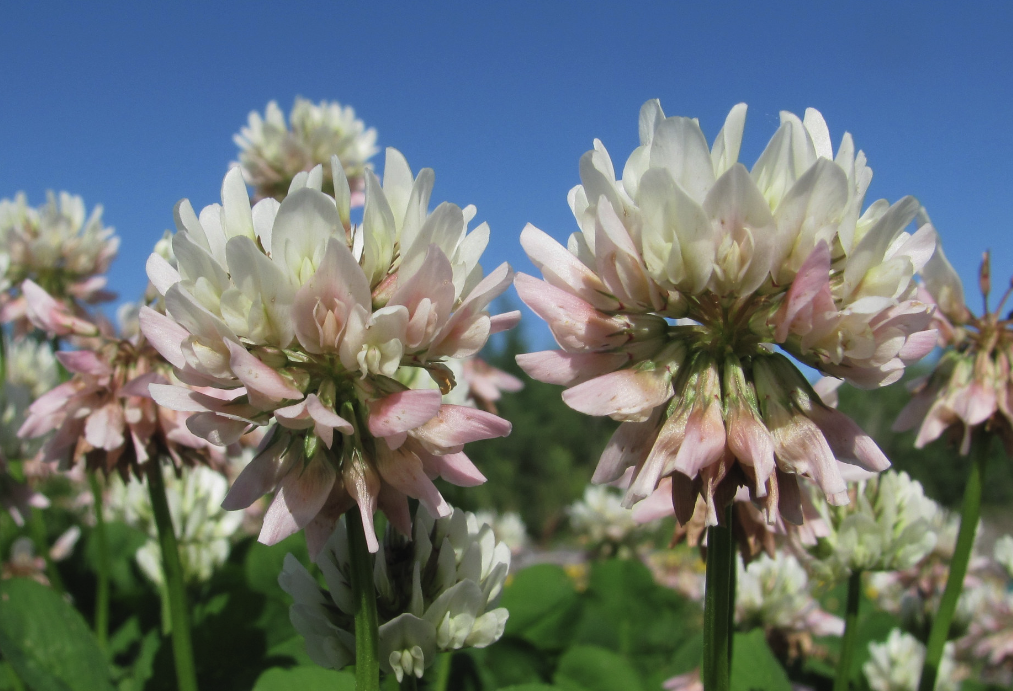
(896, 664)
(203, 529)
(272, 153)
(600, 517)
(435, 593)
(970, 390)
(773, 593)
(56, 246)
(300, 320)
(31, 372)
(886, 527)
(686, 273)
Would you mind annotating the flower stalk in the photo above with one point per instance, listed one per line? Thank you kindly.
(848, 642)
(182, 646)
(367, 630)
(102, 588)
(719, 607)
(969, 515)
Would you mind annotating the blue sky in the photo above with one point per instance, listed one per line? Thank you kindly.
(133, 105)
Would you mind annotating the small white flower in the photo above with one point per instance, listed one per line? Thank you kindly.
(774, 593)
(599, 517)
(896, 664)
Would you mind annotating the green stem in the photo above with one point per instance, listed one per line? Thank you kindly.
(443, 672)
(367, 630)
(409, 682)
(969, 514)
(841, 680)
(182, 647)
(717, 618)
(102, 589)
(41, 540)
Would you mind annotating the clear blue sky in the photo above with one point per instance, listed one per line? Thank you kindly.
(133, 105)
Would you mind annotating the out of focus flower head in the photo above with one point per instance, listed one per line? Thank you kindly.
(970, 391)
(56, 246)
(302, 321)
(24, 563)
(896, 664)
(104, 415)
(435, 593)
(507, 527)
(203, 528)
(602, 523)
(887, 526)
(272, 153)
(685, 274)
(773, 594)
(31, 370)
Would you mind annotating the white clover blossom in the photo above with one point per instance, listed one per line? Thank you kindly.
(31, 371)
(203, 529)
(56, 246)
(773, 593)
(300, 319)
(599, 517)
(896, 664)
(435, 593)
(886, 527)
(272, 152)
(779, 255)
(508, 528)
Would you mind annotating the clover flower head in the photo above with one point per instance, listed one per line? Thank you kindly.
(970, 390)
(436, 592)
(56, 246)
(508, 528)
(773, 593)
(886, 527)
(272, 152)
(896, 664)
(600, 519)
(686, 273)
(203, 529)
(304, 322)
(31, 370)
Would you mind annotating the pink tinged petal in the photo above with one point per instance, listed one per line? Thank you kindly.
(575, 323)
(812, 278)
(918, 345)
(43, 414)
(403, 470)
(662, 452)
(302, 494)
(618, 261)
(165, 335)
(138, 386)
(801, 448)
(704, 443)
(847, 440)
(337, 286)
(826, 389)
(455, 425)
(563, 270)
(629, 446)
(84, 362)
(104, 428)
(751, 443)
(52, 316)
(938, 418)
(294, 416)
(974, 404)
(430, 289)
(219, 430)
(402, 411)
(626, 394)
(189, 401)
(504, 321)
(657, 505)
(263, 384)
(261, 475)
(161, 274)
(455, 468)
(363, 484)
(325, 420)
(559, 367)
(914, 412)
(464, 319)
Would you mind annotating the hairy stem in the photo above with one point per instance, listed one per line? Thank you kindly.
(182, 647)
(969, 515)
(367, 630)
(841, 679)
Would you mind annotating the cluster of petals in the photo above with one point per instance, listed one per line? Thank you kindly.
(435, 593)
(687, 272)
(103, 415)
(971, 386)
(55, 245)
(273, 152)
(896, 664)
(299, 318)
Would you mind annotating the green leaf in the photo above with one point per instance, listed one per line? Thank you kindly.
(264, 562)
(47, 641)
(305, 679)
(591, 668)
(754, 667)
(123, 541)
(543, 605)
(530, 687)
